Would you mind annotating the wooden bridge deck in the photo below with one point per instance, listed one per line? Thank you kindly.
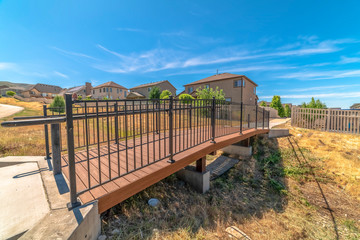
(117, 190)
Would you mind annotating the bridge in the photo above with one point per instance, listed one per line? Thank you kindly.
(109, 150)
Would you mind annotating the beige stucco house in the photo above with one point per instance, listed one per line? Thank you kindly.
(41, 90)
(109, 90)
(142, 91)
(237, 88)
(83, 91)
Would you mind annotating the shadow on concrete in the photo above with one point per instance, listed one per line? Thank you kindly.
(30, 173)
(61, 184)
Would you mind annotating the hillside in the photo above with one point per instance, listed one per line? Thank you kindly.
(14, 85)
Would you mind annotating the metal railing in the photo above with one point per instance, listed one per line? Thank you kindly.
(108, 139)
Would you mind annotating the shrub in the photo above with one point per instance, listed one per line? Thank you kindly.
(209, 93)
(165, 94)
(263, 104)
(79, 98)
(287, 111)
(276, 104)
(58, 104)
(10, 93)
(186, 98)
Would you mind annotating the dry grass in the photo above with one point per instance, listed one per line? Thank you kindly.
(22, 141)
(285, 191)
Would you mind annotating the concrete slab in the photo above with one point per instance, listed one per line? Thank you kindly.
(23, 200)
(199, 181)
(278, 132)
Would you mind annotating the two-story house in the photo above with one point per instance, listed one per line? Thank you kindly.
(143, 90)
(83, 91)
(237, 88)
(41, 90)
(109, 90)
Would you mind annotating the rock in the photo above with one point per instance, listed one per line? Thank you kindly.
(115, 231)
(153, 202)
(102, 237)
(299, 135)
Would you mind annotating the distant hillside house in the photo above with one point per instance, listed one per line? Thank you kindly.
(237, 88)
(83, 91)
(42, 90)
(355, 106)
(109, 90)
(4, 89)
(143, 90)
(268, 104)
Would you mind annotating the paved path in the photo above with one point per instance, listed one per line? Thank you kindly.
(8, 110)
(278, 121)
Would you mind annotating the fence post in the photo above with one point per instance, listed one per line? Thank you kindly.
(256, 116)
(241, 117)
(171, 128)
(157, 116)
(328, 120)
(46, 129)
(268, 119)
(213, 120)
(263, 125)
(71, 152)
(56, 149)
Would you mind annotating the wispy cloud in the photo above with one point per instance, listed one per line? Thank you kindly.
(70, 53)
(346, 60)
(338, 87)
(7, 65)
(320, 75)
(320, 95)
(61, 74)
(130, 29)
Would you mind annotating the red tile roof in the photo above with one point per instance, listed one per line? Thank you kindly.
(110, 84)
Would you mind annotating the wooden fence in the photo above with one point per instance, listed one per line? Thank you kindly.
(331, 120)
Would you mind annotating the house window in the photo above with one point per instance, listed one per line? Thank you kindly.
(104, 89)
(207, 86)
(149, 89)
(100, 90)
(228, 99)
(190, 89)
(243, 83)
(84, 91)
(107, 89)
(110, 89)
(32, 92)
(93, 91)
(254, 90)
(237, 83)
(125, 94)
(121, 90)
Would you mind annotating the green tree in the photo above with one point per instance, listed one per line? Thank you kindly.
(105, 98)
(287, 111)
(79, 97)
(155, 93)
(165, 94)
(58, 104)
(10, 93)
(186, 98)
(209, 93)
(276, 104)
(263, 104)
(314, 104)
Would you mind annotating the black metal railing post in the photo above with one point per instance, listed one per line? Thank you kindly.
(71, 152)
(241, 117)
(46, 129)
(263, 124)
(268, 119)
(157, 116)
(248, 120)
(116, 122)
(213, 109)
(171, 129)
(256, 116)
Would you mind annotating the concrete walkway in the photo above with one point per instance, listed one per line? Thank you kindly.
(278, 121)
(8, 110)
(23, 199)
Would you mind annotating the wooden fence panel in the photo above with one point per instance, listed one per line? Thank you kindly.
(342, 121)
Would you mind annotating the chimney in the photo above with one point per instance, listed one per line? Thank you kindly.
(88, 88)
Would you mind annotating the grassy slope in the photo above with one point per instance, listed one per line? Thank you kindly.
(287, 190)
(22, 141)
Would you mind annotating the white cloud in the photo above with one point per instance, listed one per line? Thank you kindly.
(320, 75)
(324, 88)
(130, 29)
(76, 54)
(346, 60)
(61, 74)
(7, 65)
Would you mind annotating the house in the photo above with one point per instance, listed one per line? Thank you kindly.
(142, 91)
(83, 91)
(4, 89)
(268, 104)
(41, 90)
(355, 106)
(109, 90)
(237, 88)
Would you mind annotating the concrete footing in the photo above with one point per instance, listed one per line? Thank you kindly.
(199, 181)
(274, 133)
(238, 150)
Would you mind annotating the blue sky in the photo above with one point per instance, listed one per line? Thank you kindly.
(295, 49)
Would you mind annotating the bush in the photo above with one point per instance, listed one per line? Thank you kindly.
(165, 94)
(263, 104)
(276, 104)
(186, 98)
(209, 93)
(10, 93)
(58, 105)
(287, 111)
(79, 98)
(314, 104)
